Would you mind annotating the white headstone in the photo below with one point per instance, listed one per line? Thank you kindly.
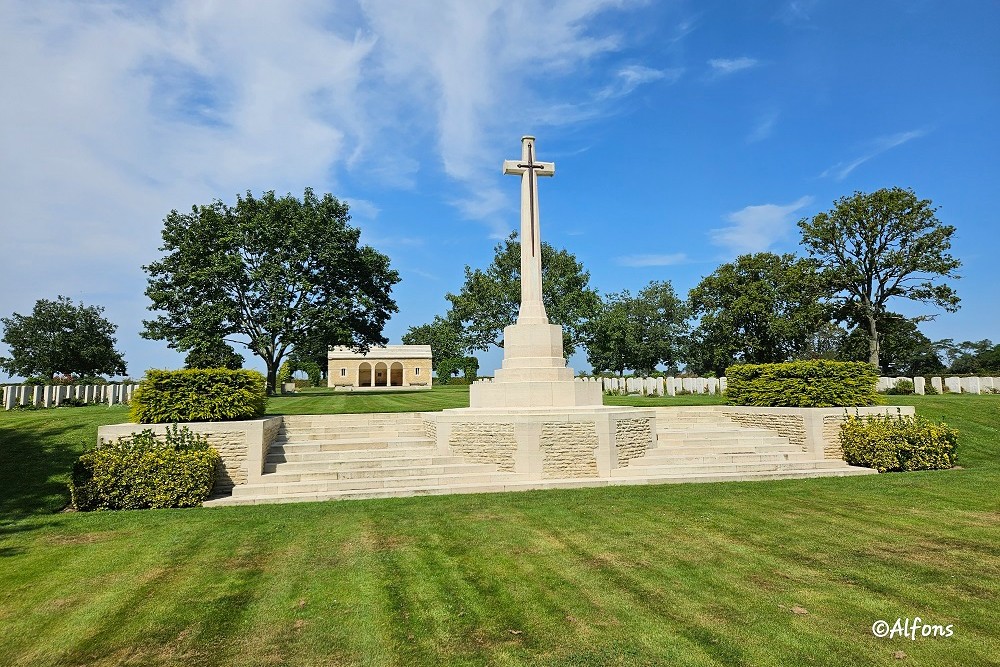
(713, 385)
(722, 384)
(918, 386)
(936, 383)
(970, 385)
(953, 384)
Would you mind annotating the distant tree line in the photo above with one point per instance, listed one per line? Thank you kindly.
(867, 252)
(287, 278)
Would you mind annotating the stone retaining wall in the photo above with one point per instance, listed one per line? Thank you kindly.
(790, 426)
(632, 439)
(484, 443)
(568, 449)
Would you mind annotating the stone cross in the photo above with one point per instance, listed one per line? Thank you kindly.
(532, 309)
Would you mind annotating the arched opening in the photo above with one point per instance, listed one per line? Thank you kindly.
(396, 374)
(365, 374)
(381, 374)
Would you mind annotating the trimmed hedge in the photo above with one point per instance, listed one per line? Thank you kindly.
(898, 444)
(198, 395)
(143, 471)
(803, 384)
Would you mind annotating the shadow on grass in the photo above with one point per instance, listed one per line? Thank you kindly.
(35, 469)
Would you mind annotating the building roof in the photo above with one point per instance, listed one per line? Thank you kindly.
(388, 352)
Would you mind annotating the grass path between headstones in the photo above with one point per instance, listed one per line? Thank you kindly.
(754, 573)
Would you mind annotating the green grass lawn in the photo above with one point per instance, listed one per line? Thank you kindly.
(698, 574)
(327, 401)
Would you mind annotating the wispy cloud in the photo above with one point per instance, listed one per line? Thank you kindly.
(763, 128)
(628, 78)
(651, 260)
(841, 170)
(724, 66)
(756, 228)
(797, 12)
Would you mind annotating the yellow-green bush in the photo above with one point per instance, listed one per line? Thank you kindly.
(143, 471)
(898, 444)
(803, 384)
(197, 395)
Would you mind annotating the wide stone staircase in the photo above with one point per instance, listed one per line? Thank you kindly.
(702, 445)
(328, 457)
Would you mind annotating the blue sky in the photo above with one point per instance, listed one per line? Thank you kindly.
(684, 133)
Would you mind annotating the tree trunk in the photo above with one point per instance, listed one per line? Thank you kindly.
(873, 348)
(272, 377)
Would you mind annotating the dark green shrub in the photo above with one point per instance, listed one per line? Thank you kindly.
(197, 394)
(817, 383)
(143, 471)
(901, 388)
(898, 444)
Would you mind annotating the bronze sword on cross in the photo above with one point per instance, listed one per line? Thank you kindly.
(529, 170)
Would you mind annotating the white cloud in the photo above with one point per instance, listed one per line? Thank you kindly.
(116, 112)
(722, 66)
(652, 260)
(756, 228)
(628, 78)
(841, 170)
(763, 128)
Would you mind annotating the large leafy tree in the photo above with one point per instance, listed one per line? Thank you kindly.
(443, 334)
(60, 337)
(973, 357)
(879, 246)
(213, 354)
(759, 308)
(489, 300)
(270, 273)
(903, 348)
(637, 332)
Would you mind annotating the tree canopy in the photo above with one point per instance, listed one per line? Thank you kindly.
(443, 334)
(879, 246)
(637, 333)
(60, 337)
(269, 273)
(215, 353)
(903, 348)
(760, 308)
(489, 300)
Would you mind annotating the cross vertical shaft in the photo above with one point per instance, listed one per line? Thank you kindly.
(532, 308)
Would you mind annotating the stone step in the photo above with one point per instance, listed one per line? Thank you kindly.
(415, 444)
(508, 486)
(720, 438)
(352, 443)
(721, 448)
(656, 457)
(320, 464)
(637, 470)
(327, 474)
(348, 435)
(266, 487)
(334, 454)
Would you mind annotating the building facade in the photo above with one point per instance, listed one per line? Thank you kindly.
(389, 366)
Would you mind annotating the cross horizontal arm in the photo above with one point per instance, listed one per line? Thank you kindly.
(540, 168)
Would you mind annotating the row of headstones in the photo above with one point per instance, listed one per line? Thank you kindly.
(50, 396)
(955, 385)
(668, 386)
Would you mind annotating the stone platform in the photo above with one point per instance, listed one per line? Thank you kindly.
(340, 457)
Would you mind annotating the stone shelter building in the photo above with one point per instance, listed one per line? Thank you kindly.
(389, 366)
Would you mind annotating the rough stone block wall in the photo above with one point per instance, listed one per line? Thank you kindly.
(485, 443)
(431, 429)
(271, 429)
(632, 438)
(568, 449)
(232, 469)
(832, 448)
(790, 426)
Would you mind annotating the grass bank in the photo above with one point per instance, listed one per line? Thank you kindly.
(772, 573)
